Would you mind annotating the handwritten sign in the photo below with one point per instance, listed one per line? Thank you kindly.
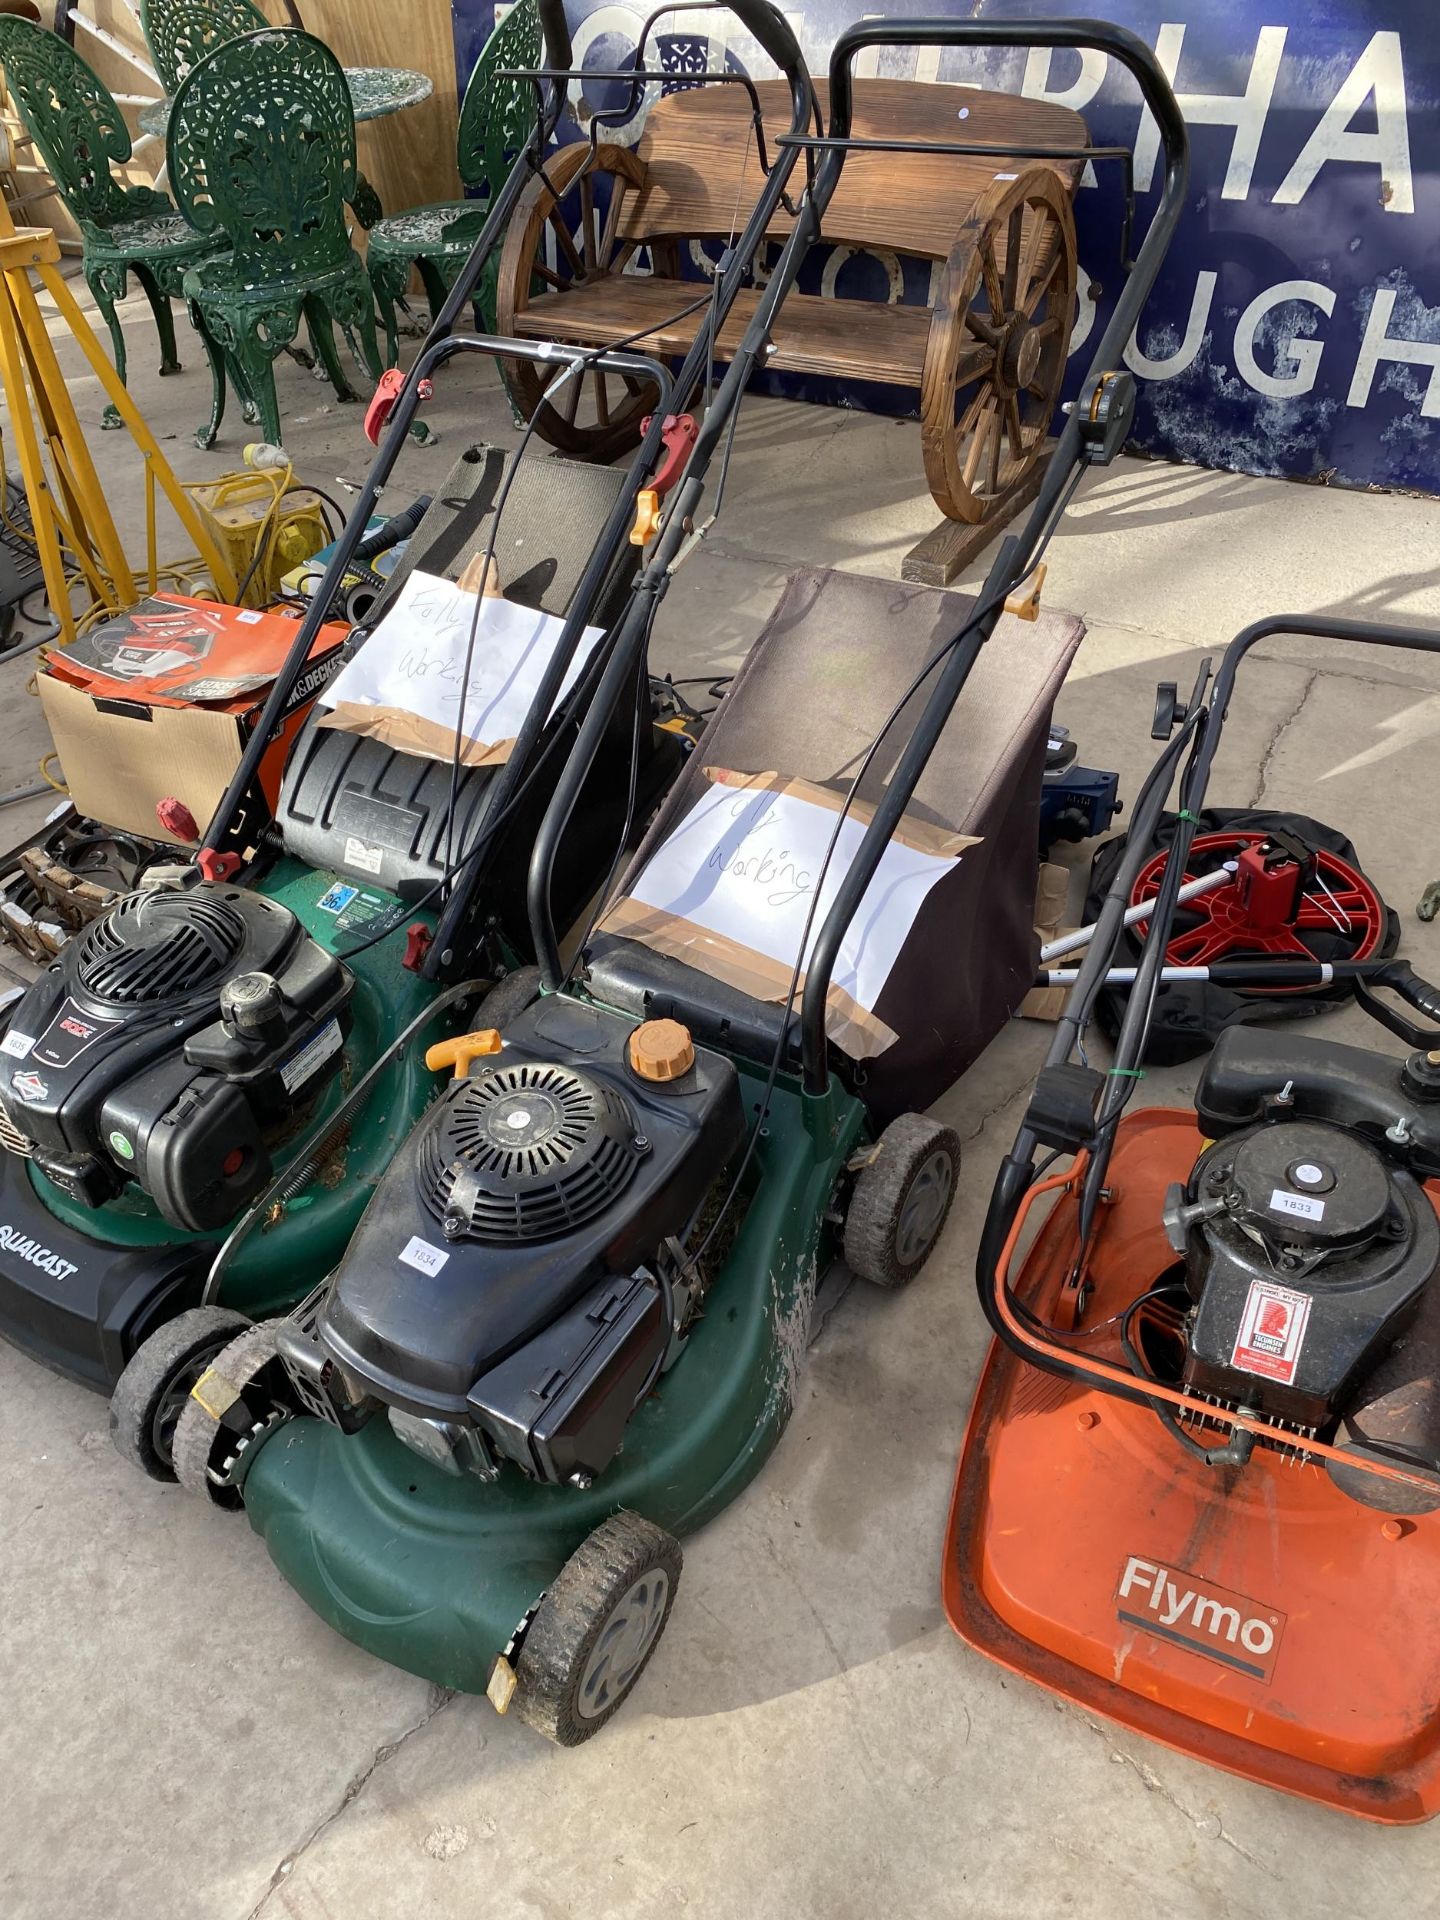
(746, 864)
(408, 684)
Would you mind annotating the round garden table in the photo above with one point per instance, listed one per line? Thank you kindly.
(375, 91)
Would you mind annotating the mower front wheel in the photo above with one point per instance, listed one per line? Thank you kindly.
(596, 1628)
(901, 1201)
(150, 1394)
(234, 1404)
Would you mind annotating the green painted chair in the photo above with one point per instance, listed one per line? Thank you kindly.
(261, 148)
(497, 117)
(80, 134)
(179, 33)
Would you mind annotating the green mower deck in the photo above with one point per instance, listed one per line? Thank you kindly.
(435, 1573)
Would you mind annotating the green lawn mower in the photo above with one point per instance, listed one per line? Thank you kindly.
(568, 1329)
(201, 1095)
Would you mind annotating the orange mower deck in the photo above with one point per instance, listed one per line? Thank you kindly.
(1255, 1618)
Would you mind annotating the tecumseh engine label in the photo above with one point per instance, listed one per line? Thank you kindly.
(24, 1248)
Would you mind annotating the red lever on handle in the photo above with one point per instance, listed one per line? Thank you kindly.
(678, 435)
(382, 402)
(417, 945)
(217, 866)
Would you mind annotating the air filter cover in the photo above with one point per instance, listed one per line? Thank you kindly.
(158, 947)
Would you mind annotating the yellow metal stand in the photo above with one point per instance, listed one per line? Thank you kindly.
(67, 504)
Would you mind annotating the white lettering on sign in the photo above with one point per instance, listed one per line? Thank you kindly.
(1301, 1205)
(1379, 71)
(1302, 352)
(422, 1256)
(1377, 346)
(1077, 96)
(1178, 360)
(1245, 112)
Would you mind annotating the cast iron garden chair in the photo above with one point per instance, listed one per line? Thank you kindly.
(80, 134)
(179, 33)
(496, 119)
(262, 148)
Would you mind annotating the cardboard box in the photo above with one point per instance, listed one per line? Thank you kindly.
(1052, 894)
(159, 704)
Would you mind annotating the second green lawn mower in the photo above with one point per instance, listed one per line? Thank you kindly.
(200, 1096)
(569, 1326)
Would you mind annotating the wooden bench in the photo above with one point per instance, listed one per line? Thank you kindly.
(600, 259)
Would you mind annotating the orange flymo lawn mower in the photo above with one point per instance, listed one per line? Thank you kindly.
(1200, 1490)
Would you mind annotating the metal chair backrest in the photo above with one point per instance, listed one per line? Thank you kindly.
(497, 116)
(70, 114)
(180, 33)
(262, 146)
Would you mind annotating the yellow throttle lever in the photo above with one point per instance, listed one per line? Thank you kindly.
(461, 1050)
(1026, 605)
(647, 517)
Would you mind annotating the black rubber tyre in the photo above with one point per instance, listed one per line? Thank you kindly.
(901, 1201)
(596, 1629)
(150, 1394)
(507, 998)
(200, 1439)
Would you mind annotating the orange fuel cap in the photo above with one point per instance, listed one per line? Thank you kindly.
(661, 1050)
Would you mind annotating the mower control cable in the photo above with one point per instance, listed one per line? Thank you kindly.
(577, 365)
(305, 1163)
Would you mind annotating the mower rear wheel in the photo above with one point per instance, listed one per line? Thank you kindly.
(150, 1394)
(596, 1628)
(901, 1201)
(508, 999)
(208, 1448)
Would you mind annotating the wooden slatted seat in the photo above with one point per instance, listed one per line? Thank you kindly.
(988, 353)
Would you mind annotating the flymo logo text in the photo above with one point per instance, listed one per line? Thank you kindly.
(1200, 1616)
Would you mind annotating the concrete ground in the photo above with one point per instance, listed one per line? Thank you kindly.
(180, 1737)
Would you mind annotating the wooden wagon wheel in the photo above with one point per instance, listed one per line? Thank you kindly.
(598, 415)
(995, 357)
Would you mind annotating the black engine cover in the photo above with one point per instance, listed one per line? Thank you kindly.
(1310, 1241)
(523, 1194)
(166, 1043)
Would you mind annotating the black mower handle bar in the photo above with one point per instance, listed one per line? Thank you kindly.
(1012, 562)
(556, 31)
(1016, 1170)
(235, 824)
(765, 24)
(1402, 980)
(1016, 556)
(232, 826)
